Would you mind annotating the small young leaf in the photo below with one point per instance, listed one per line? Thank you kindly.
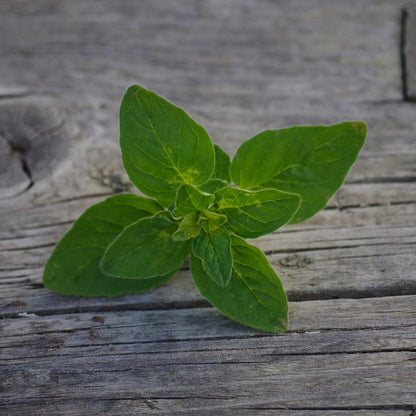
(162, 147)
(311, 161)
(188, 227)
(254, 296)
(146, 249)
(73, 268)
(254, 213)
(190, 199)
(214, 252)
(222, 164)
(210, 221)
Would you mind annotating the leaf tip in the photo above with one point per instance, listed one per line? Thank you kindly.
(360, 127)
(133, 89)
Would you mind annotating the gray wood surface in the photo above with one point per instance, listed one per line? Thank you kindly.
(238, 67)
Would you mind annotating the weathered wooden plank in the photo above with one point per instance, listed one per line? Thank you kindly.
(356, 381)
(32, 216)
(46, 354)
(123, 406)
(66, 334)
(374, 379)
(315, 235)
(373, 223)
(312, 263)
(46, 344)
(375, 313)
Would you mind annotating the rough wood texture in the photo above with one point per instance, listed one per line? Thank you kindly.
(238, 66)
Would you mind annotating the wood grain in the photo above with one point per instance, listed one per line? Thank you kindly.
(238, 67)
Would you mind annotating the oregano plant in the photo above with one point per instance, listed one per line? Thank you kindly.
(202, 204)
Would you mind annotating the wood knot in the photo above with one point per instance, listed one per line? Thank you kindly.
(34, 137)
(296, 260)
(54, 343)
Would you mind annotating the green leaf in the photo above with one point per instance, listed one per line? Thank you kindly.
(73, 268)
(162, 147)
(254, 213)
(214, 252)
(146, 249)
(210, 221)
(188, 227)
(189, 199)
(311, 161)
(222, 164)
(254, 296)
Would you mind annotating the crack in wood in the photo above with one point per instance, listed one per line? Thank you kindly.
(403, 61)
(402, 179)
(208, 337)
(29, 247)
(183, 305)
(329, 248)
(369, 205)
(334, 408)
(53, 224)
(26, 170)
(350, 293)
(408, 52)
(56, 343)
(112, 308)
